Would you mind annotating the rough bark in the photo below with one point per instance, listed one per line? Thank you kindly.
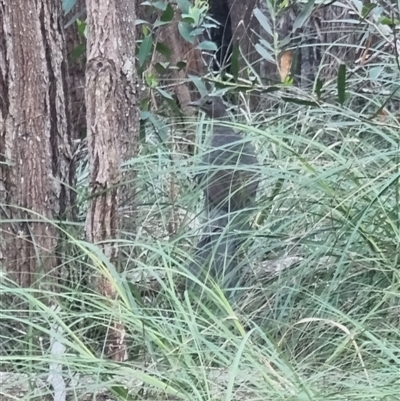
(35, 143)
(112, 129)
(76, 53)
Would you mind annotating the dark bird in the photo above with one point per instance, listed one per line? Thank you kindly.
(230, 181)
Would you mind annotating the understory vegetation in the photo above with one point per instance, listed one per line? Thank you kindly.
(318, 314)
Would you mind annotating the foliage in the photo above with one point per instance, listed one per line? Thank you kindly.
(318, 315)
(318, 318)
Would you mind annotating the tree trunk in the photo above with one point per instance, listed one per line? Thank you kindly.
(244, 28)
(112, 122)
(36, 165)
(76, 53)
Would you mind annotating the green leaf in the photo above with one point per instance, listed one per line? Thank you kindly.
(163, 49)
(341, 84)
(168, 14)
(144, 114)
(142, 130)
(123, 393)
(82, 28)
(196, 32)
(207, 45)
(140, 22)
(367, 8)
(184, 5)
(374, 72)
(267, 45)
(185, 30)
(164, 94)
(199, 83)
(389, 21)
(145, 49)
(145, 30)
(263, 20)
(160, 23)
(161, 67)
(188, 18)
(233, 86)
(151, 80)
(160, 127)
(262, 51)
(318, 87)
(78, 51)
(197, 14)
(304, 15)
(181, 65)
(144, 105)
(285, 41)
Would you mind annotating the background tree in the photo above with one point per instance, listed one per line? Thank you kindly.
(36, 166)
(319, 312)
(75, 31)
(112, 134)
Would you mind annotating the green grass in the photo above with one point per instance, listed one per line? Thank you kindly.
(319, 318)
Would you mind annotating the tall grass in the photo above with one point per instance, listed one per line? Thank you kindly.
(318, 314)
(317, 319)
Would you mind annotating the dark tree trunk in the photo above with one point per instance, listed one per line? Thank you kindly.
(76, 53)
(244, 28)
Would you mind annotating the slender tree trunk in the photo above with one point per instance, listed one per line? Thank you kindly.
(36, 166)
(112, 122)
(244, 28)
(76, 53)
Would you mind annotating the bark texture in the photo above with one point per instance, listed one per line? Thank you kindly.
(112, 129)
(76, 52)
(35, 143)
